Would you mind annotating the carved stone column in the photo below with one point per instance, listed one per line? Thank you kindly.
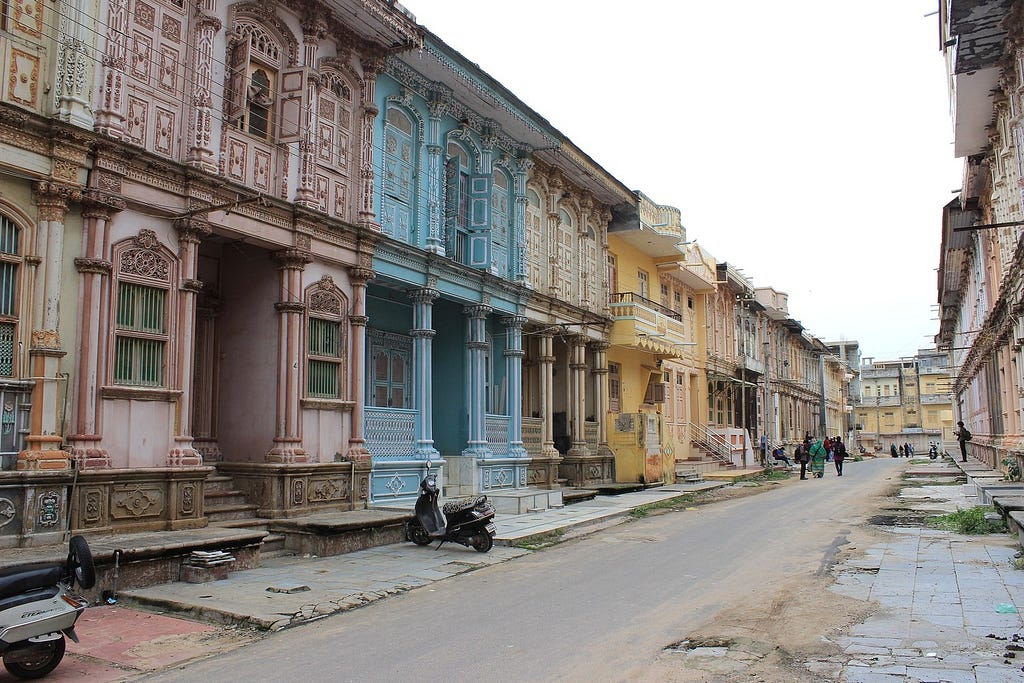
(287, 434)
(93, 292)
(314, 28)
(435, 176)
(514, 373)
(42, 445)
(522, 171)
(423, 371)
(200, 142)
(546, 358)
(367, 218)
(110, 117)
(190, 234)
(72, 79)
(600, 372)
(476, 342)
(358, 276)
(578, 387)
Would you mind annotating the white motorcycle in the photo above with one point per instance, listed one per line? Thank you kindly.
(38, 609)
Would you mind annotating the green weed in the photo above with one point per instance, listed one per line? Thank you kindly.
(667, 504)
(542, 541)
(969, 521)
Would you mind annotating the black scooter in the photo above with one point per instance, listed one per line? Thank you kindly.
(933, 451)
(37, 609)
(468, 519)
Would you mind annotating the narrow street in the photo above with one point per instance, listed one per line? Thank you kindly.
(606, 606)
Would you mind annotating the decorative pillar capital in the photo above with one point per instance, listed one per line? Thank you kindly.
(292, 259)
(90, 265)
(360, 275)
(192, 229)
(514, 321)
(100, 205)
(52, 199)
(425, 295)
(600, 345)
(477, 311)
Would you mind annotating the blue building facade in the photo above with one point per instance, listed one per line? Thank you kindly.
(445, 310)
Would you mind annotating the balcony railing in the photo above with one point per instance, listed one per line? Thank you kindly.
(634, 298)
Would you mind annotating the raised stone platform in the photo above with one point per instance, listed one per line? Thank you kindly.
(523, 501)
(992, 488)
(146, 558)
(337, 533)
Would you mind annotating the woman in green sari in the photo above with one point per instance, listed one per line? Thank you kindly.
(818, 454)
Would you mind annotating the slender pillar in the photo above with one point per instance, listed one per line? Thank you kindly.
(522, 170)
(200, 140)
(435, 176)
(314, 28)
(423, 373)
(110, 117)
(287, 435)
(476, 319)
(190, 234)
(42, 445)
(93, 311)
(546, 358)
(358, 276)
(578, 388)
(72, 79)
(366, 217)
(514, 381)
(600, 372)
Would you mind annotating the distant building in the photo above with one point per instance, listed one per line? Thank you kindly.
(905, 401)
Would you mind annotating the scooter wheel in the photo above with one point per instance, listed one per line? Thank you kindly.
(36, 660)
(419, 536)
(483, 542)
(80, 564)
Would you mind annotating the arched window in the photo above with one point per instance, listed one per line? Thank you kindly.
(591, 272)
(10, 269)
(142, 312)
(500, 223)
(326, 345)
(397, 205)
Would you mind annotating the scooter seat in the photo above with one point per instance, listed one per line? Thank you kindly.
(14, 580)
(460, 504)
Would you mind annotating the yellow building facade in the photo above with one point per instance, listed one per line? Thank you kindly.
(655, 362)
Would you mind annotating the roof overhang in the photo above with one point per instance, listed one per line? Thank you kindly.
(384, 22)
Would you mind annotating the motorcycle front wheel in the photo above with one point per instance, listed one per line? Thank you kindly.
(483, 542)
(41, 660)
(419, 535)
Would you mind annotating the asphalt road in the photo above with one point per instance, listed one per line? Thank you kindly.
(596, 609)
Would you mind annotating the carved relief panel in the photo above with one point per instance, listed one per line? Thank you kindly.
(24, 56)
(157, 38)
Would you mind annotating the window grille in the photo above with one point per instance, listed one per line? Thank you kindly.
(141, 335)
(9, 290)
(323, 376)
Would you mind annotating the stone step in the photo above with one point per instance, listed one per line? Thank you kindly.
(226, 512)
(225, 497)
(217, 482)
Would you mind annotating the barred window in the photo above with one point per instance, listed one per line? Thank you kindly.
(614, 387)
(324, 358)
(141, 342)
(141, 312)
(10, 261)
(326, 345)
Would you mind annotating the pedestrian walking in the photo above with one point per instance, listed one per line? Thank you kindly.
(802, 457)
(892, 449)
(963, 435)
(838, 454)
(818, 454)
(903, 451)
(764, 449)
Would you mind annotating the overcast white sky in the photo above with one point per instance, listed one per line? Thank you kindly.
(807, 142)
